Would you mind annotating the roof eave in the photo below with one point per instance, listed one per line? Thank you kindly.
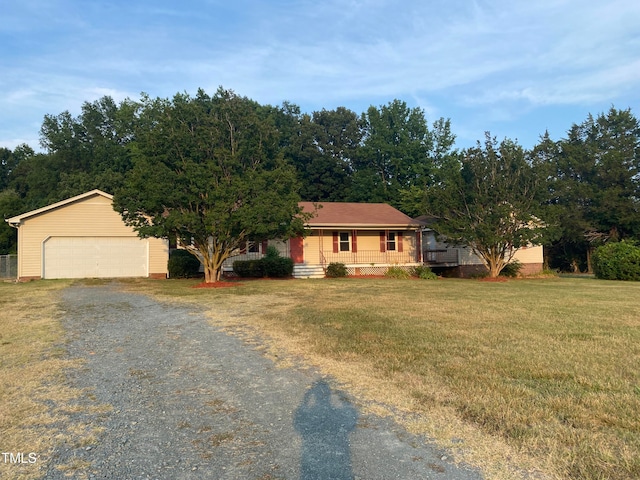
(17, 220)
(370, 226)
(12, 222)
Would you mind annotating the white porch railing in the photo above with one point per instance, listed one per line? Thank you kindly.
(367, 257)
(362, 257)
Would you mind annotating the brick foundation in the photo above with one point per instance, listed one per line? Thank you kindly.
(28, 279)
(466, 271)
(158, 276)
(531, 269)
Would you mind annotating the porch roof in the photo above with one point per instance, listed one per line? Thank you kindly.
(357, 215)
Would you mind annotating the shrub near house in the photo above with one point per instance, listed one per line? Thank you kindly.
(617, 261)
(336, 269)
(183, 264)
(271, 265)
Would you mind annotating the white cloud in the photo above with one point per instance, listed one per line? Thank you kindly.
(444, 55)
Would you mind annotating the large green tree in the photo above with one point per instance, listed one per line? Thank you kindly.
(593, 185)
(323, 151)
(394, 153)
(486, 199)
(10, 205)
(208, 170)
(398, 155)
(8, 162)
(91, 150)
(412, 196)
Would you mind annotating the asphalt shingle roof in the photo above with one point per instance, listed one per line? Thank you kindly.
(356, 215)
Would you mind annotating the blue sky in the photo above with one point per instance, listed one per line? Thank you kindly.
(512, 67)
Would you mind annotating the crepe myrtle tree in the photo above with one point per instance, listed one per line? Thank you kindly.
(485, 198)
(207, 170)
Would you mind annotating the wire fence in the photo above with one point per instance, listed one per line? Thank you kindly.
(8, 267)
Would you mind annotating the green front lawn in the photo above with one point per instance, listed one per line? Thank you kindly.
(545, 369)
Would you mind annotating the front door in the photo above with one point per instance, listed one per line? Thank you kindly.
(297, 249)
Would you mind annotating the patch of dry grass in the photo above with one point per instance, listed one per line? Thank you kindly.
(523, 376)
(33, 393)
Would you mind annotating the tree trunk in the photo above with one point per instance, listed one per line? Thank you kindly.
(212, 267)
(213, 256)
(590, 250)
(209, 274)
(210, 260)
(494, 269)
(494, 263)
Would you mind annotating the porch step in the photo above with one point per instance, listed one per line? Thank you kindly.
(308, 271)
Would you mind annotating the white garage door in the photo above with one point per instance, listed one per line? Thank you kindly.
(95, 257)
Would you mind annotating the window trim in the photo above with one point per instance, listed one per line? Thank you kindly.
(392, 243)
(344, 242)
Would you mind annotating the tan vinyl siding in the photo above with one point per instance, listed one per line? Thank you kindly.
(368, 248)
(525, 255)
(368, 240)
(91, 216)
(530, 255)
(311, 244)
(409, 242)
(158, 256)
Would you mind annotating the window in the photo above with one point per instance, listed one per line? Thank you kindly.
(250, 246)
(391, 241)
(344, 242)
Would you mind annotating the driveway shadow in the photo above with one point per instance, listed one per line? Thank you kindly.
(324, 421)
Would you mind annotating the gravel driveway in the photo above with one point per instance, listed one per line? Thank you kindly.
(190, 401)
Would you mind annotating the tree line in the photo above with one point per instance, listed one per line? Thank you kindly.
(215, 152)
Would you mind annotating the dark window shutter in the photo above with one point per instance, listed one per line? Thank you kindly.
(383, 242)
(335, 242)
(399, 241)
(265, 244)
(354, 241)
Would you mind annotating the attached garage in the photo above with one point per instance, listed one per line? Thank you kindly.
(83, 237)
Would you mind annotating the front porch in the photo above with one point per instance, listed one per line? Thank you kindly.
(367, 257)
(369, 262)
